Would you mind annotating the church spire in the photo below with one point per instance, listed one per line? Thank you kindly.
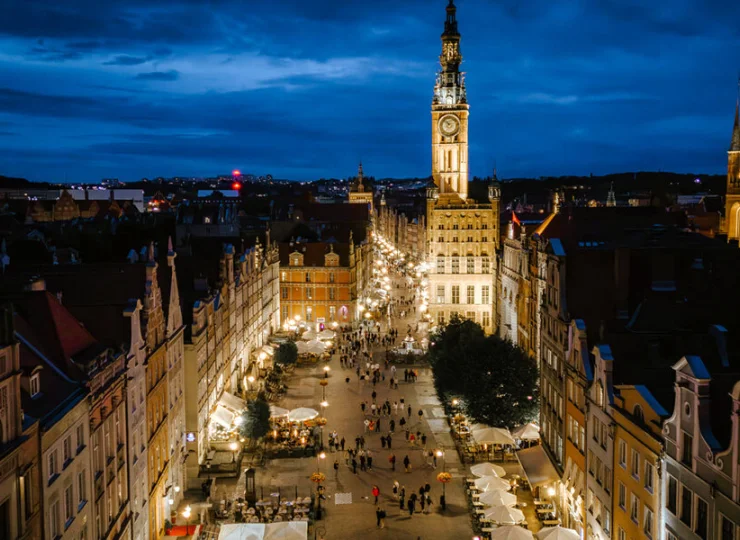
(451, 22)
(611, 198)
(735, 143)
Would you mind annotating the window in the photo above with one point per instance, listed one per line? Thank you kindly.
(486, 322)
(332, 293)
(686, 449)
(309, 293)
(470, 262)
(700, 527)
(308, 277)
(54, 529)
(35, 385)
(331, 277)
(635, 464)
(470, 315)
(440, 318)
(440, 294)
(66, 451)
(638, 414)
(687, 499)
(727, 528)
(607, 520)
(68, 506)
(621, 535)
(455, 265)
(647, 523)
(284, 293)
(332, 313)
(471, 294)
(622, 496)
(53, 465)
(284, 276)
(80, 438)
(672, 500)
(455, 226)
(648, 480)
(622, 454)
(441, 227)
(309, 314)
(440, 265)
(634, 507)
(485, 265)
(485, 295)
(456, 294)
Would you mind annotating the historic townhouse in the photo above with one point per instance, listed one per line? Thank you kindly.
(406, 234)
(600, 444)
(701, 482)
(638, 470)
(462, 234)
(20, 497)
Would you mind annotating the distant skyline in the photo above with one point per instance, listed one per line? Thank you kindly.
(303, 90)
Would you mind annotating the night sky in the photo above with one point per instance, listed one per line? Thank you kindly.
(303, 89)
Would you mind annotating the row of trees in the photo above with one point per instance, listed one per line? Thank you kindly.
(496, 382)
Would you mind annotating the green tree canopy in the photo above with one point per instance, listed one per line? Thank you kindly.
(256, 422)
(286, 354)
(496, 380)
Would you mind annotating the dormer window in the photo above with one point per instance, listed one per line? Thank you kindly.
(35, 385)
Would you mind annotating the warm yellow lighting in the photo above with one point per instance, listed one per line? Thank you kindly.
(171, 501)
(322, 455)
(233, 447)
(250, 378)
(177, 489)
(297, 317)
(368, 315)
(550, 492)
(455, 402)
(439, 453)
(186, 513)
(324, 403)
(326, 368)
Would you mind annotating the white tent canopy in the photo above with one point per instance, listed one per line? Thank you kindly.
(230, 401)
(289, 530)
(278, 412)
(326, 334)
(493, 436)
(308, 335)
(489, 483)
(315, 347)
(504, 515)
(487, 469)
(558, 533)
(527, 432)
(302, 414)
(302, 347)
(222, 416)
(498, 497)
(511, 532)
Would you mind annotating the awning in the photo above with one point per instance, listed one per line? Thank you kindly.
(537, 466)
(230, 401)
(222, 416)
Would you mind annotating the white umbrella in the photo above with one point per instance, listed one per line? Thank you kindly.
(315, 347)
(498, 497)
(558, 533)
(308, 335)
(489, 483)
(302, 347)
(527, 432)
(487, 469)
(302, 414)
(511, 532)
(493, 436)
(504, 515)
(277, 412)
(326, 334)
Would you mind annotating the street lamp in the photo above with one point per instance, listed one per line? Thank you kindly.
(186, 514)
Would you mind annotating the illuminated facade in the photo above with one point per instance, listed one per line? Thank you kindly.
(462, 235)
(732, 200)
(359, 193)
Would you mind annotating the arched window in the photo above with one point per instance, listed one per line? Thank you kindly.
(599, 394)
(638, 414)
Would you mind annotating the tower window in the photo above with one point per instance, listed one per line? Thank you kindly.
(35, 385)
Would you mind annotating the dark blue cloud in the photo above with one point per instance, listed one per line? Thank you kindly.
(133, 88)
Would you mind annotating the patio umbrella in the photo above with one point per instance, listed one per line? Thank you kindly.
(489, 483)
(487, 469)
(504, 515)
(308, 335)
(302, 414)
(558, 533)
(511, 532)
(277, 412)
(498, 497)
(302, 347)
(493, 436)
(326, 334)
(527, 432)
(315, 347)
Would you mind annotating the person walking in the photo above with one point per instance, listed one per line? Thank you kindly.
(410, 506)
(362, 462)
(392, 459)
(407, 463)
(354, 466)
(402, 498)
(409, 412)
(376, 493)
(336, 469)
(377, 513)
(393, 425)
(423, 503)
(369, 460)
(395, 489)
(421, 414)
(388, 441)
(382, 441)
(341, 443)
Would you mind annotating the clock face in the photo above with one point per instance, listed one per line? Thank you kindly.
(449, 125)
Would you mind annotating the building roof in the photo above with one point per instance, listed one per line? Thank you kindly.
(314, 252)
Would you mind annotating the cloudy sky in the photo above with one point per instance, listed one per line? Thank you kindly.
(304, 89)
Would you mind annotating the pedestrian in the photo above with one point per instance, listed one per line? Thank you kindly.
(362, 462)
(362, 406)
(393, 425)
(369, 460)
(424, 441)
(429, 502)
(382, 441)
(395, 488)
(341, 443)
(434, 460)
(402, 421)
(422, 503)
(407, 463)
(336, 468)
(366, 424)
(421, 492)
(420, 413)
(377, 511)
(392, 459)
(388, 440)
(409, 411)
(427, 488)
(402, 499)
(354, 466)
(377, 424)
(395, 407)
(376, 493)
(411, 507)
(346, 380)
(412, 439)
(374, 395)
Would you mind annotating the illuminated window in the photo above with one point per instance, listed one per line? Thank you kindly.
(471, 294)
(485, 293)
(485, 265)
(470, 264)
(456, 294)
(440, 294)
(486, 322)
(455, 265)
(440, 264)
(35, 385)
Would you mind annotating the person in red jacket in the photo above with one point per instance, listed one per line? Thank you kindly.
(376, 493)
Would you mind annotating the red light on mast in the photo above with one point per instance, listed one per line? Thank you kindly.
(236, 186)
(236, 172)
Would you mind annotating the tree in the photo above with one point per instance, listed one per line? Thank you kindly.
(495, 379)
(256, 422)
(286, 354)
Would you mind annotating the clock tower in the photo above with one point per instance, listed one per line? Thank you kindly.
(450, 116)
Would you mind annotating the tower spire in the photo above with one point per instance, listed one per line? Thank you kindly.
(735, 143)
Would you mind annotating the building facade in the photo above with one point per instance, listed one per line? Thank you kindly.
(359, 193)
(732, 199)
(462, 235)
